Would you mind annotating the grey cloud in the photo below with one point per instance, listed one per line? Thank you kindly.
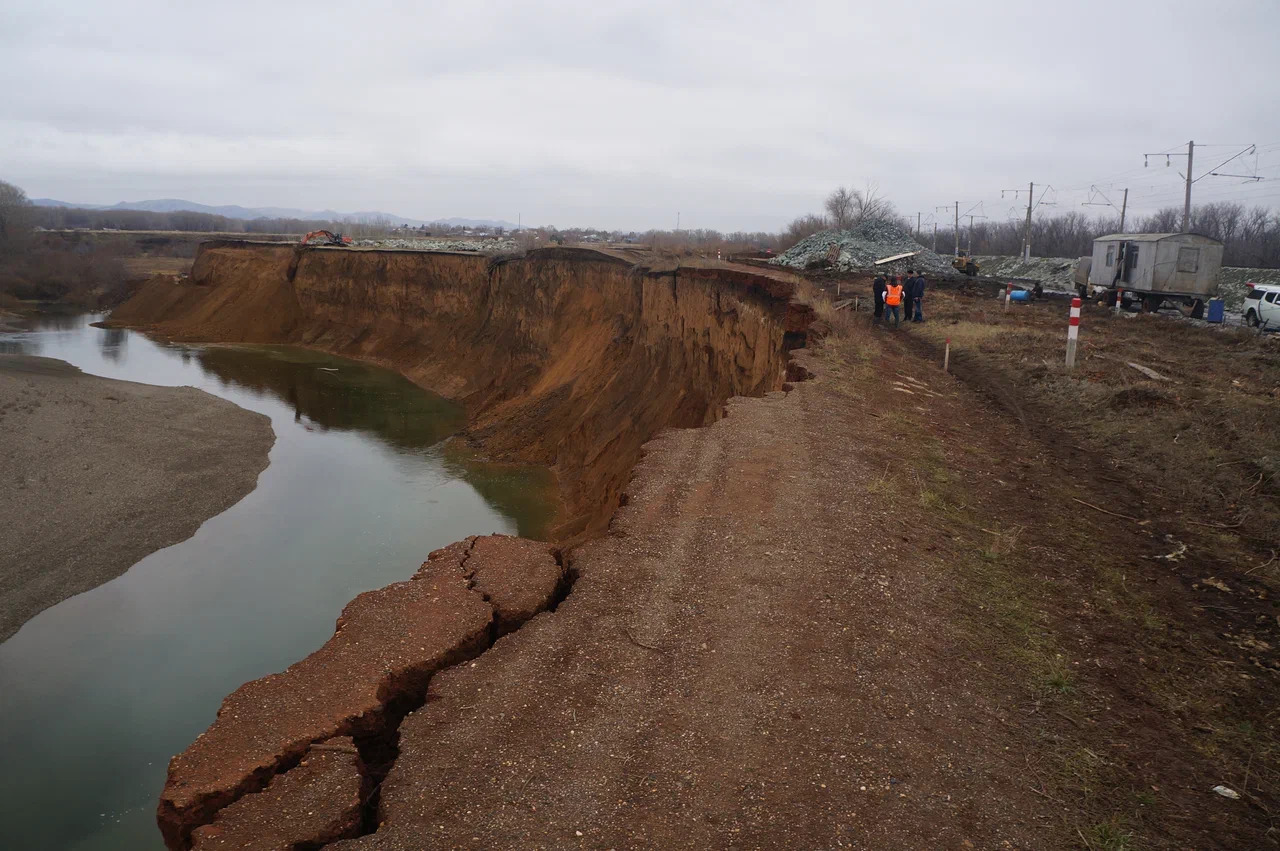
(739, 115)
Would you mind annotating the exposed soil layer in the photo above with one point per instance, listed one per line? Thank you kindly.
(100, 473)
(570, 358)
(869, 613)
(318, 802)
(872, 610)
(374, 669)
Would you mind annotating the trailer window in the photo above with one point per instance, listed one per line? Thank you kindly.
(1188, 259)
(1111, 255)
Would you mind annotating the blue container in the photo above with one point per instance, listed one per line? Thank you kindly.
(1020, 295)
(1216, 310)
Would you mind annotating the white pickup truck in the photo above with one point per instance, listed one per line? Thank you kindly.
(1262, 306)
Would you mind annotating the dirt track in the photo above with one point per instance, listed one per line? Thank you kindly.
(808, 629)
(99, 473)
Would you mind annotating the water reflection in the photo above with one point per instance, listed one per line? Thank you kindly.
(345, 397)
(99, 691)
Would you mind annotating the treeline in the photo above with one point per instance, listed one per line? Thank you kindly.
(1250, 236)
(65, 218)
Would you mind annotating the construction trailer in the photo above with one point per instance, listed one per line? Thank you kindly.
(1154, 268)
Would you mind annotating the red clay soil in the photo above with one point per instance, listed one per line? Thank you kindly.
(568, 358)
(865, 612)
(387, 644)
(317, 802)
(862, 614)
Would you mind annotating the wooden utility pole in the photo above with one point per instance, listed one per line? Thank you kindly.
(1026, 231)
(917, 227)
(1124, 205)
(1186, 206)
(935, 236)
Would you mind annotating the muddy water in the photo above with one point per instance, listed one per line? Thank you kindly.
(97, 692)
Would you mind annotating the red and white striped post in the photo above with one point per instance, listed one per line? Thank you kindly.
(1073, 331)
(1008, 295)
(1119, 299)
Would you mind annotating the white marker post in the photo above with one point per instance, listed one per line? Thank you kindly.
(946, 357)
(1073, 331)
(1008, 295)
(1119, 298)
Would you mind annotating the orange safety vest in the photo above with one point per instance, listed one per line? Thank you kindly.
(893, 297)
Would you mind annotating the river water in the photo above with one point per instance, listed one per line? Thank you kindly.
(97, 692)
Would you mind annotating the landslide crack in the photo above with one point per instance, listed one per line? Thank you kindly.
(380, 749)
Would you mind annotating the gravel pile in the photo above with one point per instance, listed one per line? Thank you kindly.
(859, 248)
(1055, 273)
(488, 246)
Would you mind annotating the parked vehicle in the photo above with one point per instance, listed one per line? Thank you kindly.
(1155, 268)
(1262, 306)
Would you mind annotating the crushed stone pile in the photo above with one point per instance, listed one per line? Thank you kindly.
(1055, 273)
(860, 247)
(487, 246)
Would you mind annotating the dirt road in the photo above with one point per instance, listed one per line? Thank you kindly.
(865, 614)
(99, 473)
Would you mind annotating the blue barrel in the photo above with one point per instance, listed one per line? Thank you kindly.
(1216, 310)
(1020, 295)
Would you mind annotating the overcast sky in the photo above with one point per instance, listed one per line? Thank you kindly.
(739, 115)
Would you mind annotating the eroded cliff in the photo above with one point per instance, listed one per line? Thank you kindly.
(569, 358)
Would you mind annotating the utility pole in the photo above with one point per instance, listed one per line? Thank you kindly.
(957, 226)
(677, 221)
(1186, 205)
(917, 226)
(1026, 232)
(971, 218)
(1213, 172)
(1031, 205)
(935, 236)
(1106, 202)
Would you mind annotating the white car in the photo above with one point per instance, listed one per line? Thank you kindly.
(1262, 306)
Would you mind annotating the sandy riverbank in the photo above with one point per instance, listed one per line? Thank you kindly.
(96, 474)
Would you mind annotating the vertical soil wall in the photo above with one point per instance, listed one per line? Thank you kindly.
(569, 358)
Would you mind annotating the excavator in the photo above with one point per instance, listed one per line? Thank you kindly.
(327, 237)
(965, 263)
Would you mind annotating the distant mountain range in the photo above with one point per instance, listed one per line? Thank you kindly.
(235, 211)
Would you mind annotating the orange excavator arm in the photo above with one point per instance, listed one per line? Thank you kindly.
(330, 238)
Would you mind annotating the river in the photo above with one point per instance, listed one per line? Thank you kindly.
(98, 691)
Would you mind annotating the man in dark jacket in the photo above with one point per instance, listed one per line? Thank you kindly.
(917, 296)
(877, 295)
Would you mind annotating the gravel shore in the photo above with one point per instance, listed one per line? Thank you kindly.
(96, 474)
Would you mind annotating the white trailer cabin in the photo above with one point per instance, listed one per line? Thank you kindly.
(1155, 267)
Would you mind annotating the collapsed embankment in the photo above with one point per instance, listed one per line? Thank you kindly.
(568, 358)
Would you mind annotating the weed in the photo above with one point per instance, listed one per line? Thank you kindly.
(1108, 836)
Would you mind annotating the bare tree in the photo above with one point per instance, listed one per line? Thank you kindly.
(840, 206)
(801, 227)
(870, 206)
(15, 219)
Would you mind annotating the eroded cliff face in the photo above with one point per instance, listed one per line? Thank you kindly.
(570, 358)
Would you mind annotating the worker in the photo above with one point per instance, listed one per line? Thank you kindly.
(877, 295)
(917, 298)
(893, 298)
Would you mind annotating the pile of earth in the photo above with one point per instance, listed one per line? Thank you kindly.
(488, 246)
(858, 249)
(1055, 273)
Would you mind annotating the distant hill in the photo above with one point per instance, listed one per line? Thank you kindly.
(235, 211)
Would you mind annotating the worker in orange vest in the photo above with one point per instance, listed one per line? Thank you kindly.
(893, 299)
